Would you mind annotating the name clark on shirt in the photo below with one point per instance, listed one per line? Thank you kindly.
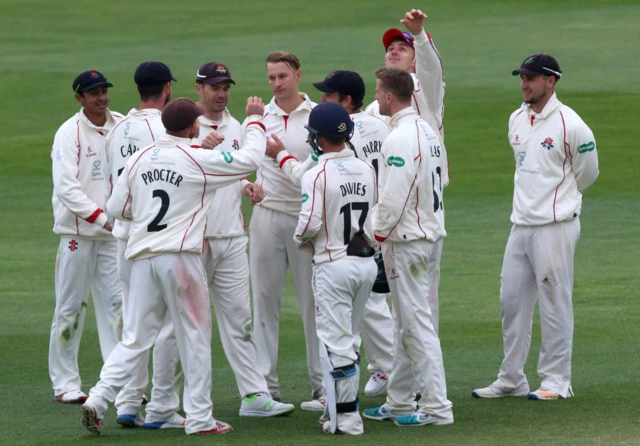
(162, 175)
(353, 189)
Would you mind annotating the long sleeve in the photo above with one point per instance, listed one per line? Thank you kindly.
(397, 179)
(582, 147)
(430, 74)
(119, 205)
(224, 168)
(293, 168)
(310, 219)
(66, 186)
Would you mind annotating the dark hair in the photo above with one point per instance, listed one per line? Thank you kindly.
(284, 57)
(397, 82)
(152, 92)
(356, 105)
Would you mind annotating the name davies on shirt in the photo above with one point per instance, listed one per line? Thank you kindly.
(168, 175)
(353, 189)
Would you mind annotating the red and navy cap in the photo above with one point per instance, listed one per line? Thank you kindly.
(89, 80)
(213, 73)
(394, 34)
(539, 64)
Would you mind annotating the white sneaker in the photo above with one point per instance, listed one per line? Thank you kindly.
(91, 420)
(73, 397)
(262, 405)
(545, 395)
(495, 392)
(175, 422)
(316, 404)
(377, 384)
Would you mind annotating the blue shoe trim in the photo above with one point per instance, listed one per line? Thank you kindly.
(154, 425)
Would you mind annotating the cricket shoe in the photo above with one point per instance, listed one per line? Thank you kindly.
(262, 405)
(380, 414)
(73, 397)
(175, 422)
(221, 428)
(90, 419)
(275, 396)
(130, 420)
(377, 384)
(316, 404)
(544, 395)
(421, 419)
(496, 392)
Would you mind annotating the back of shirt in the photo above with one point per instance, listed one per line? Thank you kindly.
(337, 198)
(139, 129)
(367, 138)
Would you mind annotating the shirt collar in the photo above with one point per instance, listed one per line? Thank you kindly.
(173, 140)
(401, 115)
(208, 122)
(344, 153)
(109, 123)
(275, 109)
(551, 106)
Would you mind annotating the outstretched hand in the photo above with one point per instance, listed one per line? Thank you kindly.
(255, 106)
(413, 21)
(274, 146)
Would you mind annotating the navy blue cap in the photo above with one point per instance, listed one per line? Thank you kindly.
(330, 119)
(88, 80)
(345, 82)
(539, 64)
(150, 74)
(213, 73)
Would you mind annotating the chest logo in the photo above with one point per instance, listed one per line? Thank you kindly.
(547, 143)
(521, 157)
(516, 142)
(235, 145)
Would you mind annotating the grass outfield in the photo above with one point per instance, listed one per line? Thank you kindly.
(46, 44)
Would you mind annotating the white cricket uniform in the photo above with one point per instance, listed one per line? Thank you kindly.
(377, 329)
(428, 93)
(166, 189)
(139, 129)
(226, 263)
(86, 260)
(556, 161)
(409, 220)
(272, 248)
(337, 197)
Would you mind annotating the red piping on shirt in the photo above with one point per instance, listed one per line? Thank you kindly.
(564, 174)
(204, 190)
(313, 201)
(150, 131)
(287, 158)
(260, 124)
(324, 213)
(286, 118)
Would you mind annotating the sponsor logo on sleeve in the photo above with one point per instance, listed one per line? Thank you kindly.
(395, 161)
(305, 197)
(228, 157)
(589, 147)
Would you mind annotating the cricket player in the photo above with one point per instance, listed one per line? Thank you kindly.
(224, 254)
(415, 52)
(556, 161)
(140, 128)
(409, 223)
(337, 196)
(272, 227)
(347, 89)
(166, 189)
(86, 260)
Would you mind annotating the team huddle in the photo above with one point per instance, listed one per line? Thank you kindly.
(148, 208)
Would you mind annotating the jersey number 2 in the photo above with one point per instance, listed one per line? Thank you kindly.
(154, 226)
(363, 207)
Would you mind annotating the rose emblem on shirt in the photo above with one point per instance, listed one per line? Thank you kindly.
(547, 143)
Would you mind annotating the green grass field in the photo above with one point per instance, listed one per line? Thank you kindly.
(45, 44)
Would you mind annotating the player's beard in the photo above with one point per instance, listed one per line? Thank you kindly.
(534, 99)
(212, 107)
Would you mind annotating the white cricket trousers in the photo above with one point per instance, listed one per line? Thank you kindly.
(377, 333)
(227, 266)
(417, 356)
(538, 266)
(341, 289)
(173, 284)
(165, 393)
(272, 250)
(83, 266)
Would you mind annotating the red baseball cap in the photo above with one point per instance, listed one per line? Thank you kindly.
(393, 34)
